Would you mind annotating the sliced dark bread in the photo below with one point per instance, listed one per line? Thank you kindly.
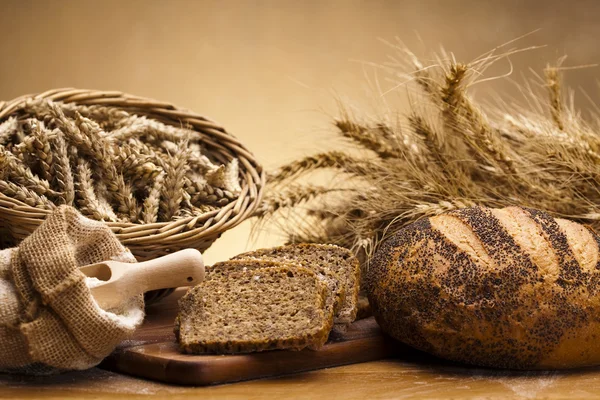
(254, 310)
(332, 281)
(320, 257)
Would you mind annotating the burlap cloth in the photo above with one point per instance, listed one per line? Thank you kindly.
(49, 321)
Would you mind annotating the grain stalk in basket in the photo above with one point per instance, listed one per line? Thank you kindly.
(176, 169)
(448, 153)
(22, 174)
(7, 128)
(25, 195)
(133, 164)
(61, 170)
(152, 202)
(108, 118)
(88, 202)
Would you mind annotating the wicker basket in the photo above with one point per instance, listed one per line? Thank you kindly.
(147, 241)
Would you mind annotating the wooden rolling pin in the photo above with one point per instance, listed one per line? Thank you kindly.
(121, 281)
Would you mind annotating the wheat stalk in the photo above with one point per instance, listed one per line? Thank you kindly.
(155, 131)
(200, 163)
(201, 192)
(172, 193)
(461, 114)
(333, 159)
(376, 139)
(22, 174)
(151, 203)
(61, 170)
(137, 166)
(107, 117)
(41, 148)
(21, 193)
(7, 129)
(293, 196)
(88, 203)
(552, 76)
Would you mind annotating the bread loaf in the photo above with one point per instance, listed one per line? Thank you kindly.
(509, 288)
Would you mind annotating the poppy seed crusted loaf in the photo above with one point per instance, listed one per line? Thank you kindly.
(321, 258)
(254, 310)
(508, 288)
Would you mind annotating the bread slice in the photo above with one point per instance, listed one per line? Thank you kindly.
(254, 310)
(225, 268)
(320, 257)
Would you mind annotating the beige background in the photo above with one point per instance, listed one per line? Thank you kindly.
(270, 70)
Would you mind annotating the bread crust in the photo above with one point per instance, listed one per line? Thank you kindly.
(435, 294)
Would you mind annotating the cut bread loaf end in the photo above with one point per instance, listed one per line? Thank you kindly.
(225, 268)
(329, 260)
(280, 307)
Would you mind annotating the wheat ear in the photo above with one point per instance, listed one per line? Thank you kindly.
(151, 203)
(293, 196)
(556, 106)
(7, 130)
(200, 163)
(88, 202)
(42, 150)
(332, 159)
(135, 165)
(106, 116)
(464, 118)
(61, 169)
(201, 192)
(375, 139)
(156, 131)
(25, 195)
(25, 150)
(129, 128)
(103, 203)
(21, 174)
(118, 189)
(172, 193)
(144, 149)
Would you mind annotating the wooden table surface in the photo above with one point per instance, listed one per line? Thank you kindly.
(399, 379)
(414, 375)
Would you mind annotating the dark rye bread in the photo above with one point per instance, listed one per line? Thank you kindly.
(509, 288)
(226, 268)
(257, 310)
(321, 257)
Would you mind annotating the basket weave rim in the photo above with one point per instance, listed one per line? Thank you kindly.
(213, 134)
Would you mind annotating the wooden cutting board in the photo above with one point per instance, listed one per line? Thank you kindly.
(152, 353)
